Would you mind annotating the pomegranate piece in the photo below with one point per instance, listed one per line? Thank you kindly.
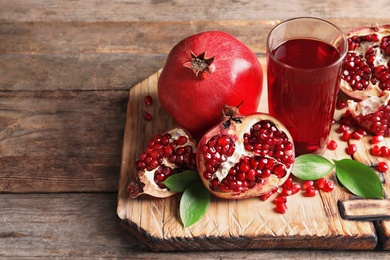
(245, 156)
(371, 114)
(169, 153)
(365, 70)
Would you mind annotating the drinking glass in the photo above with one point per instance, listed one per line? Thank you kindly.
(304, 58)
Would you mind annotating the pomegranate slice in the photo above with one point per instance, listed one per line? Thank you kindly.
(365, 69)
(372, 114)
(245, 156)
(171, 152)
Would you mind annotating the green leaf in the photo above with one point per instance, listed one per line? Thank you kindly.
(180, 181)
(311, 167)
(359, 179)
(194, 203)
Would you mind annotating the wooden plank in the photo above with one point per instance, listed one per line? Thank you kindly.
(230, 224)
(85, 226)
(52, 72)
(54, 141)
(133, 37)
(182, 10)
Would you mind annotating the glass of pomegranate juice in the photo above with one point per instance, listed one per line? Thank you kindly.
(304, 57)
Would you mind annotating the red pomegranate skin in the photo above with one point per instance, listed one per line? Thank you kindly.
(195, 101)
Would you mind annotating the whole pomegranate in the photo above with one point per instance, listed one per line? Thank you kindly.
(365, 70)
(171, 152)
(245, 156)
(202, 73)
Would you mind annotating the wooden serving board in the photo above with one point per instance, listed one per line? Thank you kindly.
(313, 223)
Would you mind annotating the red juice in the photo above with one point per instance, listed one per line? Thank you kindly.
(303, 82)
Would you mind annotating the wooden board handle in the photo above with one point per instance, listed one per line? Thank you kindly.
(364, 209)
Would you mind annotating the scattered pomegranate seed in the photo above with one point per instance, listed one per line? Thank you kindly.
(356, 135)
(281, 208)
(280, 199)
(147, 116)
(351, 149)
(295, 188)
(382, 167)
(375, 150)
(286, 192)
(306, 184)
(266, 196)
(342, 128)
(384, 151)
(321, 183)
(329, 186)
(310, 191)
(376, 139)
(346, 136)
(332, 145)
(148, 100)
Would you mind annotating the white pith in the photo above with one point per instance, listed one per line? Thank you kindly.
(369, 105)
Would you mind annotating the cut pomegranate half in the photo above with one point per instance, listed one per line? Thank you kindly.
(245, 156)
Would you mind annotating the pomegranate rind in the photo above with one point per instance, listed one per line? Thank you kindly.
(143, 180)
(371, 89)
(269, 184)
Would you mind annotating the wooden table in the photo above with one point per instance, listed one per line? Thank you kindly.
(66, 68)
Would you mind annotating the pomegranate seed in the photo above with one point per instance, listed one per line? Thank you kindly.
(288, 183)
(356, 135)
(321, 183)
(280, 199)
(375, 150)
(306, 184)
(384, 151)
(382, 167)
(346, 136)
(351, 149)
(376, 139)
(342, 128)
(148, 100)
(310, 191)
(286, 192)
(295, 188)
(332, 145)
(266, 196)
(281, 208)
(147, 116)
(329, 186)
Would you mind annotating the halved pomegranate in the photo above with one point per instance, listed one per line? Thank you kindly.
(171, 152)
(245, 156)
(365, 69)
(372, 114)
